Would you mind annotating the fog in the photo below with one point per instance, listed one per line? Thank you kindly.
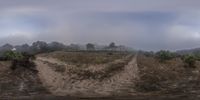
(140, 24)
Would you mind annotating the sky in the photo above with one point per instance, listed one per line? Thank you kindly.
(140, 24)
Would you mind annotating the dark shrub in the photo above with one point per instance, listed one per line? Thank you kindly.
(165, 55)
(12, 55)
(20, 60)
(197, 55)
(189, 60)
(149, 54)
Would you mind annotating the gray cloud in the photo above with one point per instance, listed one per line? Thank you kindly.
(141, 24)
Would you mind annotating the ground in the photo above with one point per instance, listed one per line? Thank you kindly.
(101, 75)
(112, 78)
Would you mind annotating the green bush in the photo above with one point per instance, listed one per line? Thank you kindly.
(189, 60)
(12, 55)
(197, 55)
(20, 60)
(26, 62)
(165, 55)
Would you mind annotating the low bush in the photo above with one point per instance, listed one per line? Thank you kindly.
(20, 60)
(189, 60)
(12, 55)
(165, 55)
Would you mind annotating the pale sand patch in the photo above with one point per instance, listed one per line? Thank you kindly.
(65, 84)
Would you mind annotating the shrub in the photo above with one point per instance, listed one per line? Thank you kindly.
(164, 55)
(197, 55)
(20, 60)
(189, 60)
(12, 55)
(149, 54)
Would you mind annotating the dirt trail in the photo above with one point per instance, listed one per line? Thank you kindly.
(64, 84)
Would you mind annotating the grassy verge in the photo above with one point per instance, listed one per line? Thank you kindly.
(168, 76)
(86, 57)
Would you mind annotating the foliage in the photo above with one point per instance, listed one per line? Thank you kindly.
(112, 46)
(39, 47)
(197, 55)
(165, 55)
(20, 60)
(86, 57)
(189, 60)
(90, 46)
(147, 53)
(12, 55)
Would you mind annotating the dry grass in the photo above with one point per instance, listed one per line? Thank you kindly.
(88, 71)
(86, 57)
(88, 65)
(168, 76)
(110, 69)
(21, 82)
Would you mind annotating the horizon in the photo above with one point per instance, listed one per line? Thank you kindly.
(97, 44)
(139, 24)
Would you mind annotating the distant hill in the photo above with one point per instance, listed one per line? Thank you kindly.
(189, 51)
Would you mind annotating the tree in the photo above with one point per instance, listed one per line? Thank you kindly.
(90, 46)
(56, 46)
(40, 47)
(112, 46)
(74, 47)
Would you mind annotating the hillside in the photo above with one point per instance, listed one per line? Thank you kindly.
(189, 51)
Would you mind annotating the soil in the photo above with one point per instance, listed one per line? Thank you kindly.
(66, 83)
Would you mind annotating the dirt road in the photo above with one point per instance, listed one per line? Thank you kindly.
(121, 83)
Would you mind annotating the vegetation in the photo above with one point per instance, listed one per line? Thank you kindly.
(147, 53)
(12, 55)
(197, 57)
(189, 60)
(90, 46)
(111, 69)
(86, 57)
(20, 60)
(164, 55)
(112, 46)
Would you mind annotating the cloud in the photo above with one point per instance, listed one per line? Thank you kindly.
(141, 24)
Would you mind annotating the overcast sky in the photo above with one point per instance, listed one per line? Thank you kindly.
(141, 24)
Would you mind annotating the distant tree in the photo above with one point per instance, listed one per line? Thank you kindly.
(74, 47)
(6, 47)
(148, 53)
(40, 47)
(90, 46)
(23, 48)
(112, 46)
(56, 46)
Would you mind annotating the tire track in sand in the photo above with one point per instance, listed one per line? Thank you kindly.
(64, 84)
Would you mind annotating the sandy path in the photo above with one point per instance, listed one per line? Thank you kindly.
(64, 84)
